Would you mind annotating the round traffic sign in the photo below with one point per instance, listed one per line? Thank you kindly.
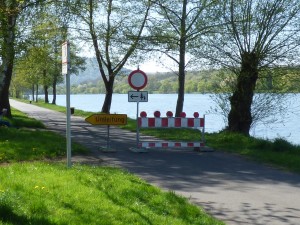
(137, 79)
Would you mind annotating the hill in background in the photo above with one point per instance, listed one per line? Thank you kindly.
(206, 81)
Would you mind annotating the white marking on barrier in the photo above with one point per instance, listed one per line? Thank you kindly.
(196, 122)
(171, 122)
(171, 144)
(157, 122)
(144, 122)
(184, 122)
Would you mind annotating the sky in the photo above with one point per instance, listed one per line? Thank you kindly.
(151, 66)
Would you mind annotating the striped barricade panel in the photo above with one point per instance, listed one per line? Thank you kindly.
(171, 144)
(171, 122)
(167, 122)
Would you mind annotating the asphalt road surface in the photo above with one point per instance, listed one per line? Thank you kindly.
(230, 187)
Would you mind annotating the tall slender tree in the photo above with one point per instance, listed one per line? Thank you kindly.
(114, 28)
(176, 24)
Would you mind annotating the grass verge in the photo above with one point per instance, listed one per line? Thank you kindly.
(40, 193)
(29, 141)
(279, 152)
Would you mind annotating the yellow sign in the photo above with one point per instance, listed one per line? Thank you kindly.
(107, 119)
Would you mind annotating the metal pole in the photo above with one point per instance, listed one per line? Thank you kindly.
(137, 124)
(108, 139)
(68, 132)
(203, 130)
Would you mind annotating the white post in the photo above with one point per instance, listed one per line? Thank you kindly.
(68, 134)
(65, 70)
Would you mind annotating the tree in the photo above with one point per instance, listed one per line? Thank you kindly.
(10, 11)
(40, 61)
(256, 35)
(8, 17)
(114, 28)
(175, 26)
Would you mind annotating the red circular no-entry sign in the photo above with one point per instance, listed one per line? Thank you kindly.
(137, 79)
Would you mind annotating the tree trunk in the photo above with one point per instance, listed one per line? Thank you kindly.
(4, 93)
(54, 91)
(32, 93)
(37, 93)
(182, 50)
(7, 54)
(108, 96)
(240, 118)
(46, 94)
(180, 97)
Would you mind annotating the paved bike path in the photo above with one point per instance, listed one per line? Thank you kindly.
(229, 187)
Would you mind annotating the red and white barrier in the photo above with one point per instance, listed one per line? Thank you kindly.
(171, 122)
(170, 144)
(174, 122)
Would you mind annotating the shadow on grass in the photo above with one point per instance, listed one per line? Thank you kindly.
(8, 216)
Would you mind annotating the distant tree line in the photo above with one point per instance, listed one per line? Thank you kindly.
(279, 80)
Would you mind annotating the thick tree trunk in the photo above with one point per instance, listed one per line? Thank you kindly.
(180, 97)
(240, 118)
(7, 55)
(4, 93)
(108, 96)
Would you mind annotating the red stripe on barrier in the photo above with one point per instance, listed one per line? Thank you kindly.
(177, 122)
(164, 122)
(152, 144)
(201, 122)
(177, 144)
(190, 122)
(165, 144)
(151, 122)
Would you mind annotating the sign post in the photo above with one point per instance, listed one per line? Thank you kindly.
(137, 79)
(107, 119)
(65, 71)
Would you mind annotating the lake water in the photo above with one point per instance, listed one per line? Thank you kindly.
(288, 129)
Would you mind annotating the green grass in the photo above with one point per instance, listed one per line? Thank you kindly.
(29, 141)
(21, 120)
(47, 192)
(279, 152)
(41, 193)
